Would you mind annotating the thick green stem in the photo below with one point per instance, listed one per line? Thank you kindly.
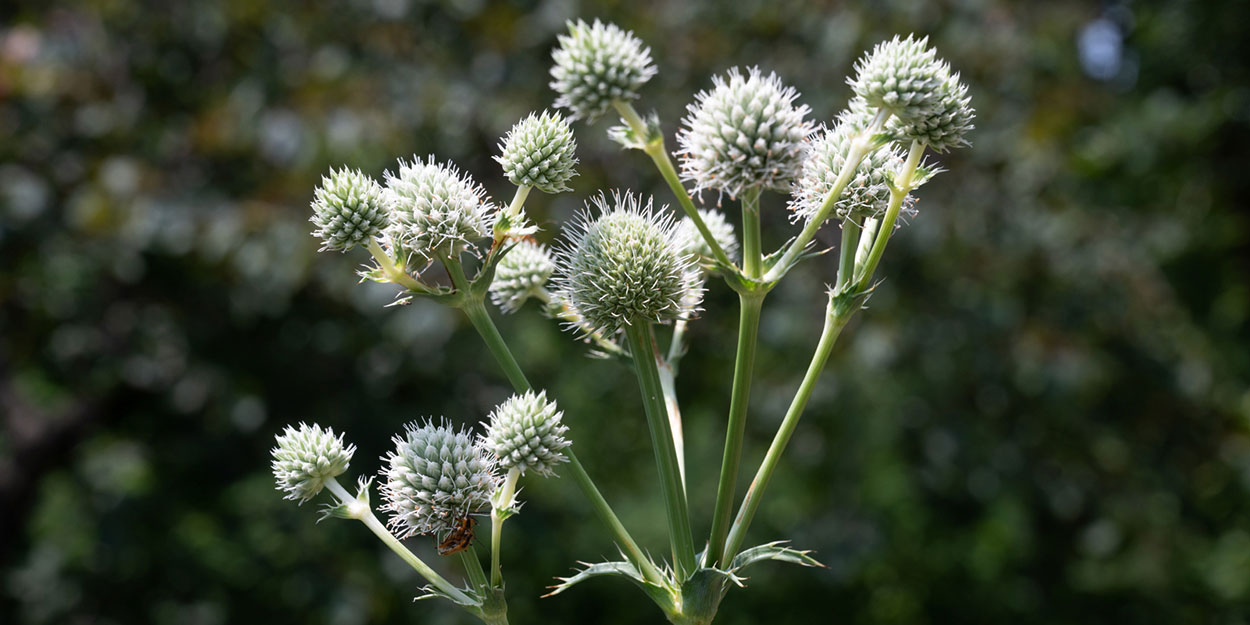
(361, 512)
(752, 257)
(902, 186)
(739, 399)
(668, 384)
(503, 500)
(392, 271)
(473, 567)
(518, 201)
(659, 155)
(834, 322)
(846, 253)
(602, 510)
(860, 147)
(642, 346)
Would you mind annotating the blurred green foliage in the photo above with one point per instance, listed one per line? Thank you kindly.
(1041, 418)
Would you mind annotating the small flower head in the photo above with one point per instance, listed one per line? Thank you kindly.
(596, 65)
(944, 125)
(692, 241)
(349, 208)
(521, 274)
(866, 194)
(744, 133)
(526, 432)
(434, 478)
(435, 210)
(902, 76)
(306, 457)
(539, 152)
(626, 266)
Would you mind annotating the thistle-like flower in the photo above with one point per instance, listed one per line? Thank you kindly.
(526, 432)
(349, 208)
(902, 76)
(521, 274)
(945, 124)
(744, 133)
(539, 152)
(306, 457)
(692, 241)
(867, 194)
(596, 65)
(435, 210)
(434, 478)
(625, 266)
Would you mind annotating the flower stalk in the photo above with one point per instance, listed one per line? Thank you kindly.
(903, 185)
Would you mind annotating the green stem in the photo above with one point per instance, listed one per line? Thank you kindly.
(659, 155)
(473, 567)
(392, 271)
(846, 253)
(752, 257)
(902, 186)
(642, 346)
(860, 147)
(865, 240)
(744, 364)
(504, 499)
(361, 512)
(601, 509)
(518, 201)
(828, 336)
(668, 384)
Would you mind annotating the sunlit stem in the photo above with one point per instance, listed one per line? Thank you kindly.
(834, 322)
(898, 193)
(752, 256)
(846, 252)
(392, 271)
(642, 346)
(659, 155)
(361, 512)
(866, 239)
(503, 500)
(668, 384)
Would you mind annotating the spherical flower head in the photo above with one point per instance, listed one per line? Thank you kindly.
(306, 457)
(349, 209)
(902, 76)
(521, 274)
(434, 478)
(944, 125)
(744, 133)
(539, 152)
(596, 65)
(867, 194)
(692, 241)
(436, 211)
(625, 266)
(525, 432)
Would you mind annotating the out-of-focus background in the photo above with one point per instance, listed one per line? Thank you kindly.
(1041, 419)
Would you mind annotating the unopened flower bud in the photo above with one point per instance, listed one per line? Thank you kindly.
(435, 209)
(434, 478)
(521, 274)
(349, 208)
(306, 457)
(596, 65)
(539, 152)
(526, 432)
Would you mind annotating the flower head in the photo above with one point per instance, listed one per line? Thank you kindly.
(521, 274)
(436, 210)
(745, 132)
(434, 478)
(692, 241)
(625, 266)
(539, 152)
(348, 209)
(902, 76)
(866, 194)
(946, 123)
(596, 65)
(526, 432)
(306, 457)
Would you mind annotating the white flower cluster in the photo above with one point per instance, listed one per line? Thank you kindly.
(525, 432)
(348, 210)
(306, 457)
(539, 152)
(435, 477)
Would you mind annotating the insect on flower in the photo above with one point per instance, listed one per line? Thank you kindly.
(460, 538)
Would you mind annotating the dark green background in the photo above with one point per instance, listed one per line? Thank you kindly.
(1041, 419)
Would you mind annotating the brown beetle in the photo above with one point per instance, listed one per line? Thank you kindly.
(459, 539)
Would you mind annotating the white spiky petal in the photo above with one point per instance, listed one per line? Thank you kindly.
(596, 64)
(744, 133)
(435, 210)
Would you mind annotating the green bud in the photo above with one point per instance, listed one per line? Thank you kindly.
(596, 65)
(306, 457)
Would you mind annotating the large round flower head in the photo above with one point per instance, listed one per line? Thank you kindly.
(867, 194)
(435, 210)
(539, 152)
(521, 274)
(306, 457)
(596, 65)
(349, 208)
(945, 124)
(744, 133)
(434, 478)
(526, 432)
(692, 241)
(626, 266)
(903, 76)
